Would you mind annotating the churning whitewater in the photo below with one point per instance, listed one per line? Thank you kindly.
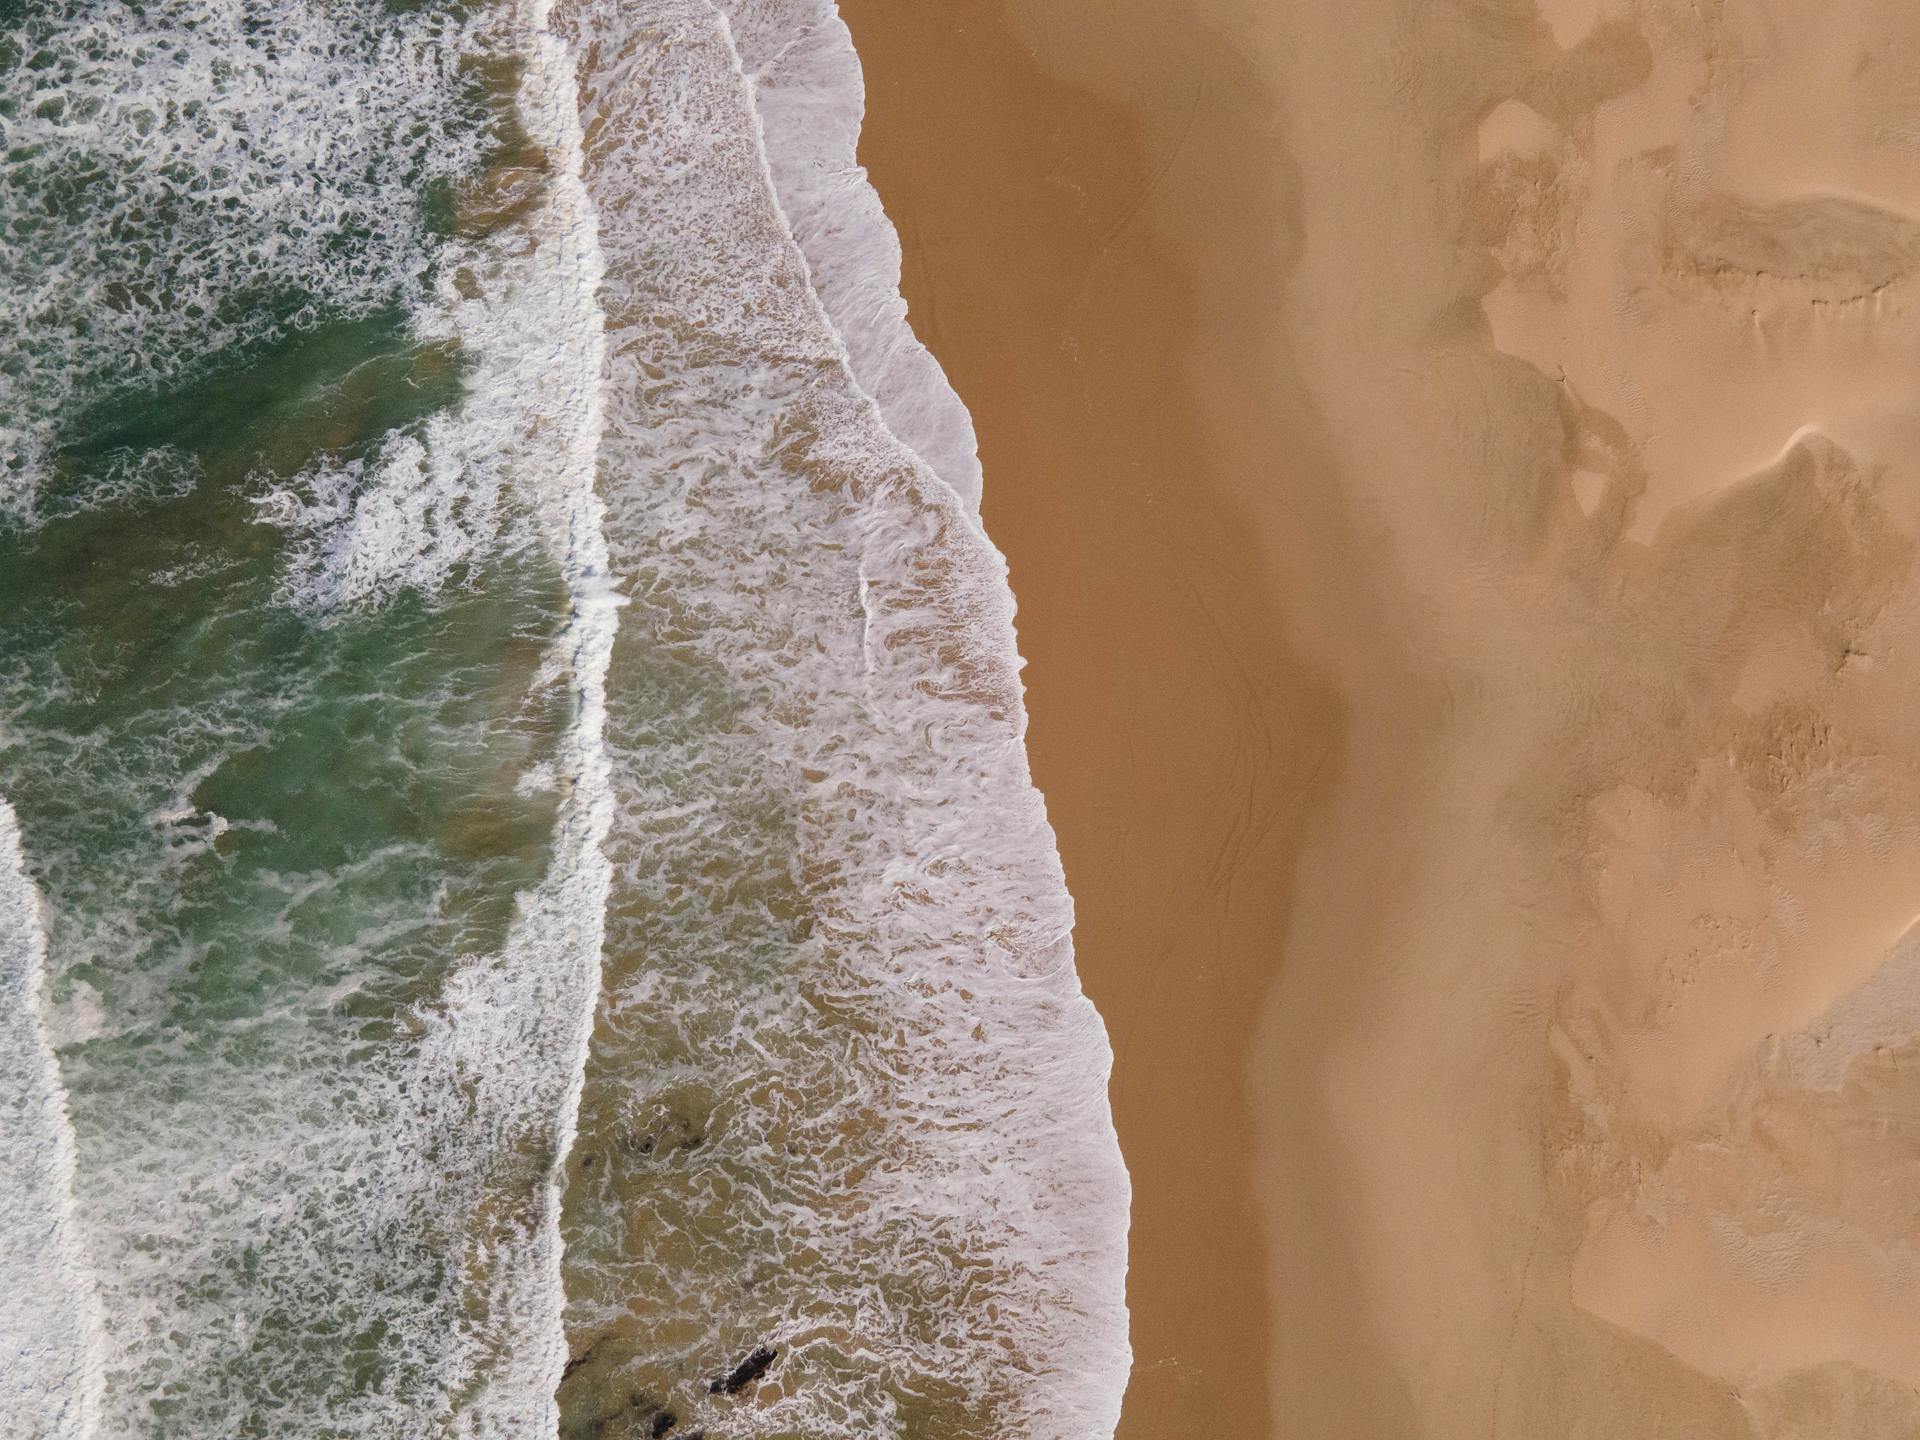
(523, 901)
(49, 1318)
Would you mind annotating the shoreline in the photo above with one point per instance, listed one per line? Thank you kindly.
(1069, 235)
(892, 1259)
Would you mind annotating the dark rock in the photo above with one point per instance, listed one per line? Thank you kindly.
(670, 1123)
(576, 1361)
(664, 1422)
(600, 1400)
(746, 1372)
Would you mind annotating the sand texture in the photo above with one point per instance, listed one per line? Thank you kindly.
(1460, 467)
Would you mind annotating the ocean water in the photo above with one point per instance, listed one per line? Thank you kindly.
(522, 906)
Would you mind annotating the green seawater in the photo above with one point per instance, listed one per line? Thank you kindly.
(154, 669)
(264, 838)
(284, 835)
(371, 357)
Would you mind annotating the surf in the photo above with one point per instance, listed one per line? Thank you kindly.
(846, 1108)
(516, 724)
(50, 1327)
(310, 773)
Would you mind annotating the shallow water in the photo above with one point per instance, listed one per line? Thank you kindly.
(414, 349)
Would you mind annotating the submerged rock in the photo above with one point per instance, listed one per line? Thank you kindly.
(601, 1400)
(746, 1372)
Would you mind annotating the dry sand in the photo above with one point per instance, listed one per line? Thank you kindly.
(1459, 465)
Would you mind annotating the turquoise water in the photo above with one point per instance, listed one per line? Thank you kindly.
(436, 1013)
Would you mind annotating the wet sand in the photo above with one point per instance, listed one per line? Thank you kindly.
(1456, 464)
(1178, 738)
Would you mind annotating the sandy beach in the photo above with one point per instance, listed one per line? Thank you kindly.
(1456, 467)
(537, 857)
(1076, 200)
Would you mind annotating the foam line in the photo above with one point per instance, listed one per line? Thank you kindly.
(576, 519)
(51, 1342)
(837, 592)
(810, 96)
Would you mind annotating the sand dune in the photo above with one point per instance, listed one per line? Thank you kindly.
(1655, 485)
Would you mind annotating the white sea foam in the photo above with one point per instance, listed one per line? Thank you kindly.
(907, 1088)
(810, 98)
(364, 530)
(51, 1342)
(510, 1032)
(857, 992)
(195, 174)
(273, 1201)
(516, 1032)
